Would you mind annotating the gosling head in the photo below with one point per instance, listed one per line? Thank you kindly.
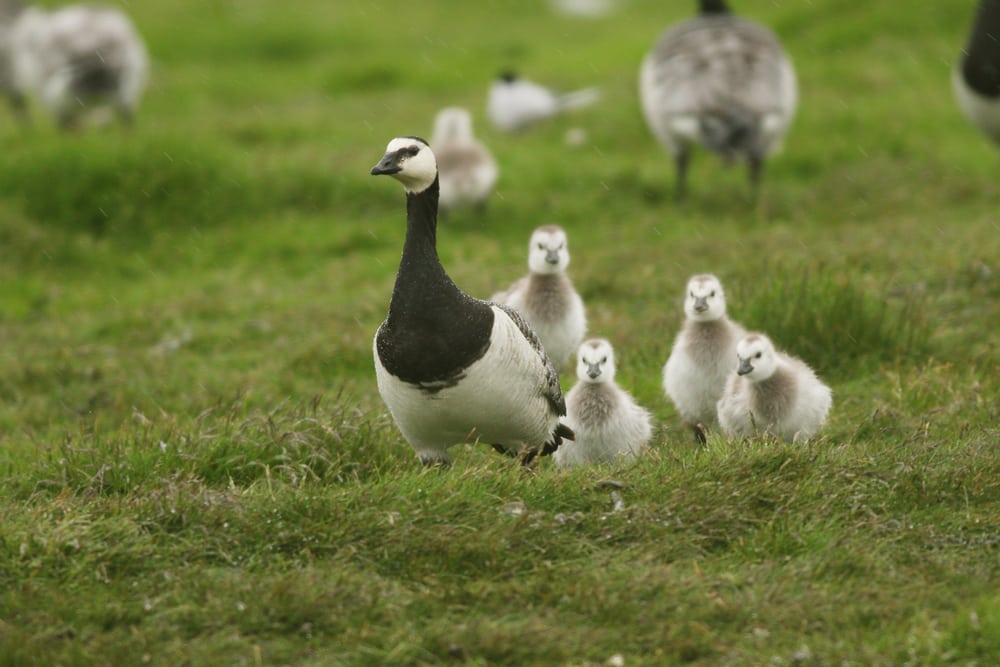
(410, 161)
(547, 251)
(756, 357)
(452, 124)
(595, 361)
(705, 300)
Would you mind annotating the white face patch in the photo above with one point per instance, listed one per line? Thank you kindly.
(452, 124)
(758, 350)
(417, 171)
(595, 361)
(704, 299)
(548, 251)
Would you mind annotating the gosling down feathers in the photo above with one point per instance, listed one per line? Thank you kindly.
(608, 425)
(976, 78)
(514, 103)
(76, 58)
(452, 368)
(720, 81)
(702, 356)
(466, 168)
(546, 296)
(774, 393)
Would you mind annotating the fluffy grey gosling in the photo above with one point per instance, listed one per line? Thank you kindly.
(546, 297)
(608, 424)
(702, 357)
(720, 81)
(466, 167)
(76, 58)
(514, 103)
(452, 368)
(976, 77)
(772, 392)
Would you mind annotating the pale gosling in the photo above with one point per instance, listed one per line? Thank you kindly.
(702, 357)
(772, 393)
(466, 168)
(546, 296)
(609, 426)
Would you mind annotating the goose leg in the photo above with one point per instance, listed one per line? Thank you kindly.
(681, 160)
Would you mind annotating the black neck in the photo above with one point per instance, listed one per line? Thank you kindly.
(713, 7)
(421, 279)
(433, 330)
(981, 62)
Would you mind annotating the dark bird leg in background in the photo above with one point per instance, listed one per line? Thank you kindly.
(681, 163)
(756, 168)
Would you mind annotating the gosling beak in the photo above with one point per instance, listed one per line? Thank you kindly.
(389, 164)
(700, 304)
(551, 257)
(593, 370)
(745, 367)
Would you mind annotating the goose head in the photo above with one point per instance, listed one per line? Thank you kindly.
(547, 251)
(410, 161)
(705, 299)
(452, 124)
(756, 357)
(595, 361)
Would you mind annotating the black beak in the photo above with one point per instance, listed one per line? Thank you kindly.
(551, 257)
(745, 367)
(389, 164)
(700, 304)
(593, 370)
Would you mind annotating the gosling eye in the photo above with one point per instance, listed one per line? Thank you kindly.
(604, 360)
(713, 293)
(757, 356)
(691, 294)
(541, 246)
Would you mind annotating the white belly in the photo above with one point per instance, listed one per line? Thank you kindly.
(499, 400)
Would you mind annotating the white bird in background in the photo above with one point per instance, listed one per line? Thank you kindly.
(76, 58)
(452, 368)
(773, 393)
(514, 103)
(9, 11)
(976, 77)
(703, 355)
(546, 296)
(720, 81)
(608, 424)
(466, 167)
(588, 9)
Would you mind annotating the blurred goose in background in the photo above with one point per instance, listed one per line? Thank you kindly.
(589, 9)
(720, 81)
(9, 11)
(703, 356)
(76, 58)
(607, 423)
(976, 77)
(771, 392)
(546, 296)
(452, 368)
(514, 103)
(466, 167)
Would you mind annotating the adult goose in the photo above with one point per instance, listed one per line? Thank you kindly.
(720, 81)
(976, 78)
(452, 368)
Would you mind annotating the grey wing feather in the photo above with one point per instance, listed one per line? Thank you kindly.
(553, 391)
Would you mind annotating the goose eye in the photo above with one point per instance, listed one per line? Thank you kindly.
(757, 356)
(691, 294)
(541, 246)
(604, 360)
(713, 293)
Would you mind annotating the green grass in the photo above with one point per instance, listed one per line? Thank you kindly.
(196, 467)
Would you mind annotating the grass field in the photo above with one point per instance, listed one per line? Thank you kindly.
(196, 467)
